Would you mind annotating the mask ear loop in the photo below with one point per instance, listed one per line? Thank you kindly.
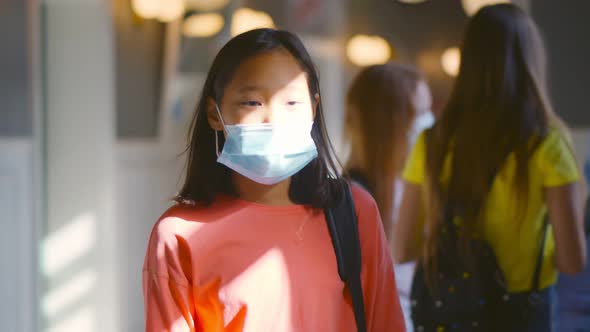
(217, 143)
(217, 132)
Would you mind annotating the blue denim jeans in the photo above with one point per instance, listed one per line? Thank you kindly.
(573, 293)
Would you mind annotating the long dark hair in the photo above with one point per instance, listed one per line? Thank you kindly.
(379, 113)
(205, 177)
(498, 107)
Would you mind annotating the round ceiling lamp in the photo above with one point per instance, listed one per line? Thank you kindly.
(202, 25)
(364, 50)
(146, 8)
(246, 19)
(206, 5)
(451, 61)
(472, 6)
(170, 10)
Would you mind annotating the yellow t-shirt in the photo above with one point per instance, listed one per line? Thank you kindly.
(553, 164)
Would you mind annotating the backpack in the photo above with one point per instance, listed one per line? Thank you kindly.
(468, 296)
(343, 227)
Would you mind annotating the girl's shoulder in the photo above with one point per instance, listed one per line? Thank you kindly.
(177, 218)
(364, 203)
(188, 217)
(556, 134)
(556, 142)
(556, 159)
(360, 195)
(181, 211)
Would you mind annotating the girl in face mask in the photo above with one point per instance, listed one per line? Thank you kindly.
(246, 247)
(388, 106)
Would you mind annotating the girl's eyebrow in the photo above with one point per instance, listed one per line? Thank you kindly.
(250, 88)
(258, 88)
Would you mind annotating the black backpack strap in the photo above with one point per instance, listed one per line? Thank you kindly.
(343, 226)
(587, 217)
(539, 264)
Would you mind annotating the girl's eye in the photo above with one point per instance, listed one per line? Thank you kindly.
(293, 103)
(251, 103)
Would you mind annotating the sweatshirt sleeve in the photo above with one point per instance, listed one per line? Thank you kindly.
(172, 300)
(166, 286)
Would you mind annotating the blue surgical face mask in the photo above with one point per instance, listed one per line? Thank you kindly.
(267, 153)
(421, 123)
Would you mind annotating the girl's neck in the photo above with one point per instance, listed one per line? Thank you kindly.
(274, 195)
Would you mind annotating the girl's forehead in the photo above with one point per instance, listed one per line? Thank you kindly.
(276, 69)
